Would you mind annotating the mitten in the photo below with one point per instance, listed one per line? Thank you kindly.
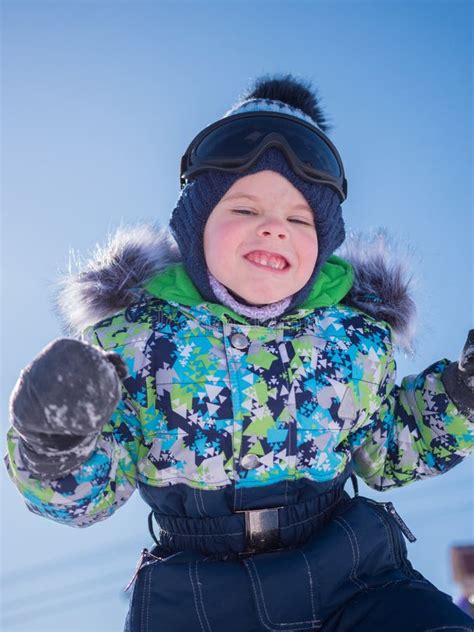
(60, 403)
(458, 379)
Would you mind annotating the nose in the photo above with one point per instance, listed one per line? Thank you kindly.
(273, 228)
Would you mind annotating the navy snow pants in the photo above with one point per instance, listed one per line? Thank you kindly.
(412, 606)
(351, 575)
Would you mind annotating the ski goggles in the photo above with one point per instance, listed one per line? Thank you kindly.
(234, 143)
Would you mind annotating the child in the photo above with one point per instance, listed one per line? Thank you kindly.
(238, 381)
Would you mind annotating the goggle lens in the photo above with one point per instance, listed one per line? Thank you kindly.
(241, 137)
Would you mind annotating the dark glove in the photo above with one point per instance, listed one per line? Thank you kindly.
(458, 379)
(60, 403)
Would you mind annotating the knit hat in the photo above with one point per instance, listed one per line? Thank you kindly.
(199, 196)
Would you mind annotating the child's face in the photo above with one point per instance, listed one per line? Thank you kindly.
(262, 221)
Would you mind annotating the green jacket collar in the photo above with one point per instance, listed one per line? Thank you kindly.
(334, 281)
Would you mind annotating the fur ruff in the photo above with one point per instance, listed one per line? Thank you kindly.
(114, 277)
(382, 284)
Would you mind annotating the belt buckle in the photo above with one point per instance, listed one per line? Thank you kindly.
(262, 530)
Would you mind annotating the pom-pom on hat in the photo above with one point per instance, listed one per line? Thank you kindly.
(283, 94)
(286, 95)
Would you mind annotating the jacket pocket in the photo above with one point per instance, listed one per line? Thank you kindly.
(285, 589)
(177, 457)
(300, 588)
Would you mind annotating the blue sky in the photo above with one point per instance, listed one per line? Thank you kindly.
(100, 99)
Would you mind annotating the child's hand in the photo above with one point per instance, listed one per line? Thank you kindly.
(66, 393)
(458, 379)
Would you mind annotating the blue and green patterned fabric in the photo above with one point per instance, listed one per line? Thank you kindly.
(215, 403)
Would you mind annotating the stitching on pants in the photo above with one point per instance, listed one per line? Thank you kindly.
(143, 601)
(352, 575)
(195, 600)
(280, 625)
(310, 577)
(257, 600)
(196, 500)
(149, 590)
(354, 562)
(389, 535)
(204, 512)
(201, 601)
(199, 497)
(148, 600)
(356, 543)
(305, 623)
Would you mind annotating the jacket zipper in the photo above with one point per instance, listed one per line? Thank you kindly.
(141, 562)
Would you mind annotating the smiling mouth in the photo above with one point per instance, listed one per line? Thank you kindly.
(267, 260)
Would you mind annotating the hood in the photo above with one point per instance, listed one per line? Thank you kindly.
(116, 275)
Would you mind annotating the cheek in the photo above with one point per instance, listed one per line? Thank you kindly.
(308, 247)
(218, 241)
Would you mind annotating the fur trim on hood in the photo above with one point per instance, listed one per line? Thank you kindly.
(382, 283)
(113, 278)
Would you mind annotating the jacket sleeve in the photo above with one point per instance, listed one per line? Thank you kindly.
(413, 430)
(93, 490)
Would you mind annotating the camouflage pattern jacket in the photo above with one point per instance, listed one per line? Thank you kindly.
(220, 411)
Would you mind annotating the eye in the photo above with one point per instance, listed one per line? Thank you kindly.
(300, 221)
(243, 211)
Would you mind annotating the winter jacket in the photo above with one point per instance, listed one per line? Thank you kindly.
(213, 402)
(221, 416)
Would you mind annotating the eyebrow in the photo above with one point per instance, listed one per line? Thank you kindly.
(254, 198)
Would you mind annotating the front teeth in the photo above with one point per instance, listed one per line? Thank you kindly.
(272, 262)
